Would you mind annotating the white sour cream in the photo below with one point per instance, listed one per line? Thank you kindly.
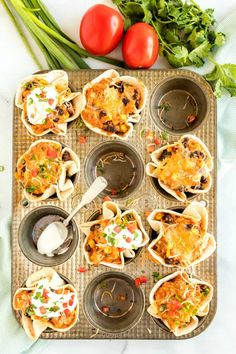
(40, 102)
(51, 238)
(124, 238)
(54, 306)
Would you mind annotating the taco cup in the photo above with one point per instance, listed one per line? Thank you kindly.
(182, 167)
(46, 169)
(113, 237)
(182, 238)
(113, 104)
(178, 300)
(47, 103)
(46, 301)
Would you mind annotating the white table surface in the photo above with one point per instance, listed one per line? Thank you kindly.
(15, 63)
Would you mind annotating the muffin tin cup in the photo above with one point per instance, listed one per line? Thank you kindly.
(124, 305)
(116, 175)
(177, 100)
(28, 246)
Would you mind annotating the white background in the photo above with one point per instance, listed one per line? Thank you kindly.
(15, 63)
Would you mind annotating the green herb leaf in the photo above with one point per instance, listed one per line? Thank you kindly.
(156, 276)
(2, 168)
(223, 78)
(31, 189)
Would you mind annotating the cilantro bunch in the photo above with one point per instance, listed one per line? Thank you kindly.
(186, 35)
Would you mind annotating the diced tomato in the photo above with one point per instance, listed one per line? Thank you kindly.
(42, 310)
(81, 270)
(150, 148)
(71, 301)
(82, 139)
(149, 135)
(137, 282)
(143, 279)
(51, 153)
(117, 229)
(120, 249)
(35, 171)
(65, 305)
(131, 227)
(45, 293)
(156, 141)
(67, 312)
(128, 239)
(106, 198)
(50, 101)
(43, 94)
(174, 305)
(113, 191)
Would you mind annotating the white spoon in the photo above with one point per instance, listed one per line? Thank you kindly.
(58, 230)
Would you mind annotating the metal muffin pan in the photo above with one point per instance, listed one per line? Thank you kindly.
(145, 194)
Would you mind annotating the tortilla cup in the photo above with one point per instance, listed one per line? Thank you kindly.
(202, 311)
(151, 169)
(195, 212)
(33, 325)
(114, 77)
(65, 187)
(58, 79)
(111, 210)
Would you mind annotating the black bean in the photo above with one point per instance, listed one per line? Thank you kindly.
(165, 153)
(95, 227)
(181, 189)
(119, 86)
(102, 114)
(167, 218)
(88, 248)
(66, 156)
(203, 180)
(189, 226)
(60, 110)
(185, 142)
(56, 119)
(171, 261)
(109, 127)
(196, 153)
(137, 103)
(125, 101)
(135, 94)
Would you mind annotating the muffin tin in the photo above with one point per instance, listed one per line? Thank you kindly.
(144, 197)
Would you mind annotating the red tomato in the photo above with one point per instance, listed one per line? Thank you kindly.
(117, 229)
(81, 270)
(42, 310)
(51, 153)
(34, 171)
(137, 282)
(82, 139)
(64, 305)
(50, 101)
(174, 305)
(128, 239)
(132, 228)
(101, 29)
(140, 46)
(67, 312)
(71, 301)
(143, 279)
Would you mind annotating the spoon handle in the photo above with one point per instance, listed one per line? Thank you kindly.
(94, 190)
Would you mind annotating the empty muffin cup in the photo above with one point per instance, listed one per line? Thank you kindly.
(121, 165)
(179, 105)
(112, 302)
(33, 225)
(98, 215)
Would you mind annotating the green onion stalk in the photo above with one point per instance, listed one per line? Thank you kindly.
(58, 49)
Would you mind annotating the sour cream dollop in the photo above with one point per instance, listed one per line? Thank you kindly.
(47, 303)
(50, 239)
(122, 237)
(41, 102)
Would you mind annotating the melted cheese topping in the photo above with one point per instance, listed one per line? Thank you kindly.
(40, 167)
(108, 238)
(178, 300)
(182, 166)
(182, 240)
(109, 105)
